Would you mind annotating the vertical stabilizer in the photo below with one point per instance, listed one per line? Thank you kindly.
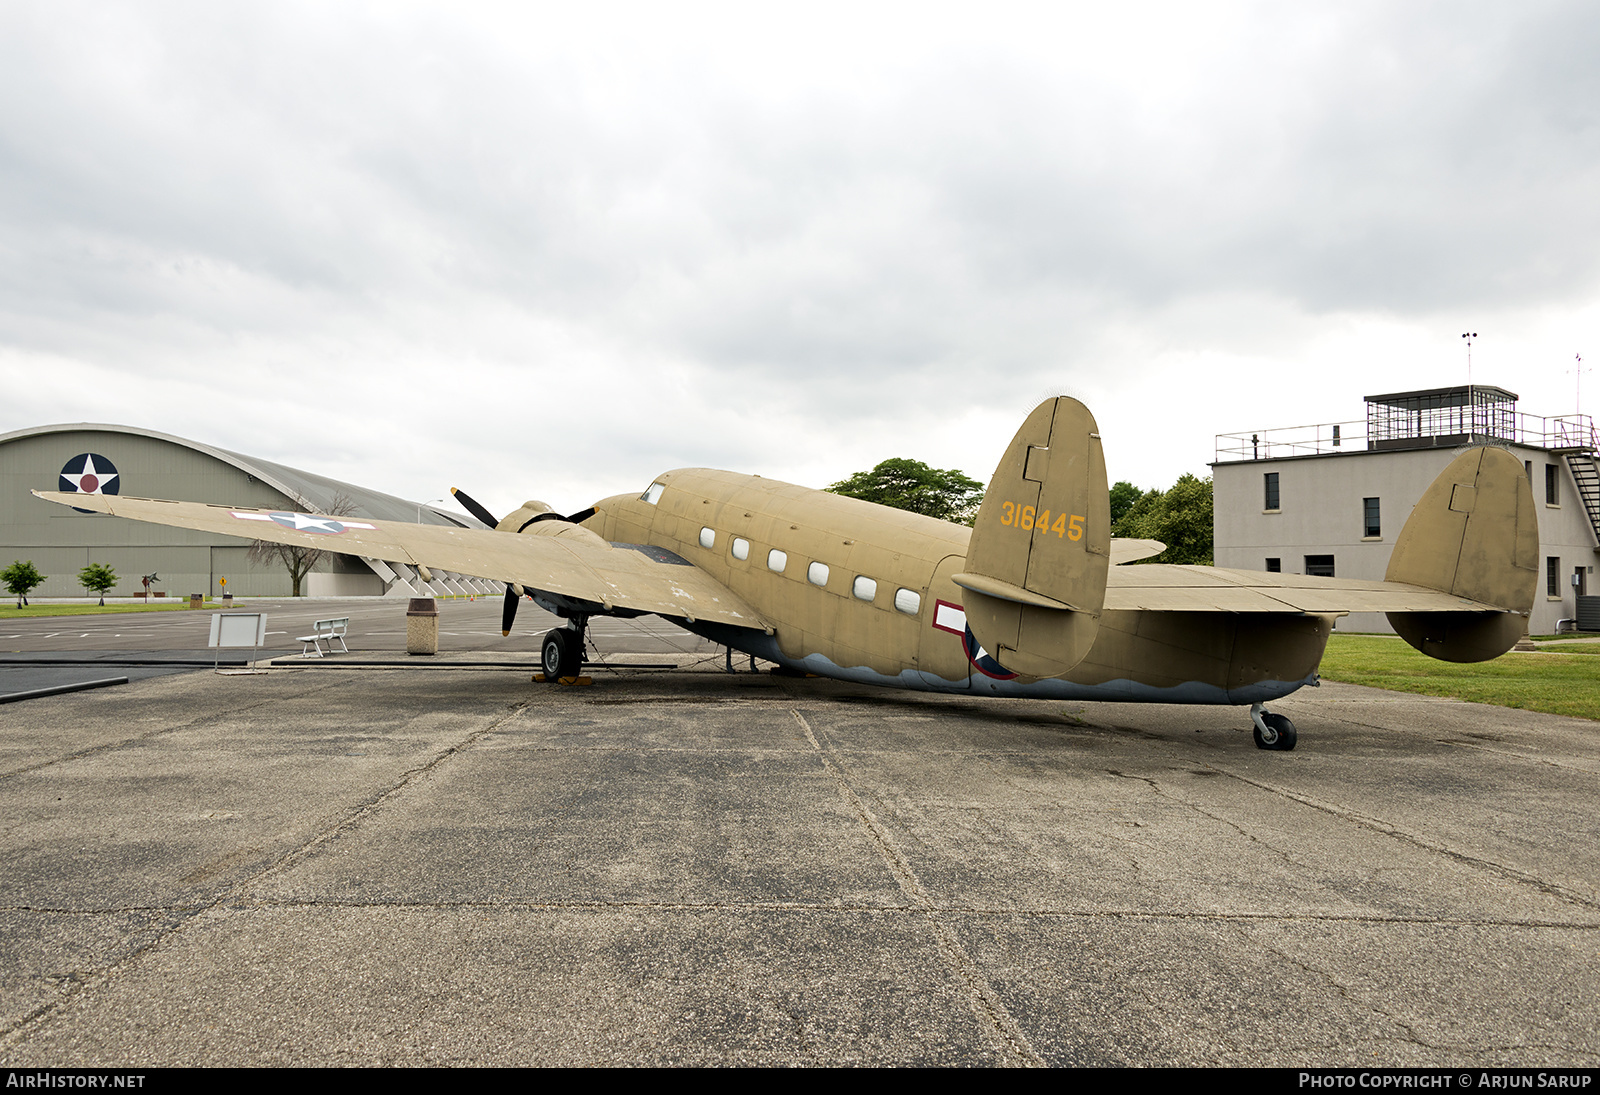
(1474, 533)
(1036, 567)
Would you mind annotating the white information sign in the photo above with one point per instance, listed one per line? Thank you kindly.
(238, 629)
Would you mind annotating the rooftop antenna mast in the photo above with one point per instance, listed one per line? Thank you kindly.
(1472, 411)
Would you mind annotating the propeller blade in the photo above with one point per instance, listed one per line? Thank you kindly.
(509, 613)
(469, 504)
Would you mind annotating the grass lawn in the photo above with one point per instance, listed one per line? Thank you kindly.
(10, 611)
(1560, 684)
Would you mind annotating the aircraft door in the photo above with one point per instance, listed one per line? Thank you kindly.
(941, 657)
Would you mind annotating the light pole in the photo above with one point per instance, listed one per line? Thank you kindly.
(1472, 411)
(429, 502)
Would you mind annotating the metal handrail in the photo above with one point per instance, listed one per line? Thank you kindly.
(1565, 431)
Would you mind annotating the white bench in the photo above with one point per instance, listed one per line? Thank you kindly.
(324, 631)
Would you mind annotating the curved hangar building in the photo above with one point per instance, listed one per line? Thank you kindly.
(103, 459)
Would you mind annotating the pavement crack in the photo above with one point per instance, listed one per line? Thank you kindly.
(1082, 915)
(231, 897)
(985, 1002)
(135, 739)
(1378, 825)
(354, 815)
(1179, 800)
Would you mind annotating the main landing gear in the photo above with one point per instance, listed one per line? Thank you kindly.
(561, 654)
(1272, 731)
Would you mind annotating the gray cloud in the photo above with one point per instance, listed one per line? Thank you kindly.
(638, 239)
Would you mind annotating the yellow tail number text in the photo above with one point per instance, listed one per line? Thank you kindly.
(1023, 517)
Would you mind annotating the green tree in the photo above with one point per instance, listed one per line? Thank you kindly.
(21, 578)
(1123, 496)
(912, 485)
(1182, 518)
(97, 578)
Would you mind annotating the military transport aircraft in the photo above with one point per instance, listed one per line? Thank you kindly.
(1032, 601)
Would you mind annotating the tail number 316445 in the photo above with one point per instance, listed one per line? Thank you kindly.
(1025, 518)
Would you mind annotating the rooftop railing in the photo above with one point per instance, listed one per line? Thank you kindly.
(1567, 431)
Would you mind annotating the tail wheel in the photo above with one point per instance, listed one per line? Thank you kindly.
(1283, 733)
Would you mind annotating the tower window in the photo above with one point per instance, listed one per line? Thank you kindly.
(1373, 526)
(1271, 478)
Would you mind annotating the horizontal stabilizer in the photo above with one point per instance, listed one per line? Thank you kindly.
(1131, 551)
(1474, 534)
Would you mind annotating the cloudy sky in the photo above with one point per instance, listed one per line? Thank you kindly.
(539, 252)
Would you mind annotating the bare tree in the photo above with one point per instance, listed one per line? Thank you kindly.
(297, 560)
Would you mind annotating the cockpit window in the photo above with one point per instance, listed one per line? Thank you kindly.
(653, 495)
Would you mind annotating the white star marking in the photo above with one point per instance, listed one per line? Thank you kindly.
(97, 477)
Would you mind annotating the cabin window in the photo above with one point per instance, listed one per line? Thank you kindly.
(1271, 484)
(1552, 485)
(741, 549)
(708, 538)
(1274, 566)
(777, 560)
(864, 588)
(817, 574)
(1370, 520)
(653, 493)
(1552, 576)
(908, 601)
(1320, 566)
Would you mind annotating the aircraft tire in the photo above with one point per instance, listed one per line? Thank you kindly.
(559, 655)
(1285, 729)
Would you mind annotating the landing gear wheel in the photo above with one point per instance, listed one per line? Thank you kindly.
(561, 655)
(1281, 727)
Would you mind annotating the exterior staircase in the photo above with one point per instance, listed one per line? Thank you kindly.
(1587, 475)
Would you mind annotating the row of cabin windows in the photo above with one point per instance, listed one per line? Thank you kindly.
(1371, 517)
(907, 601)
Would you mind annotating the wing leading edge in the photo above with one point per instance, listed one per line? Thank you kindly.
(571, 567)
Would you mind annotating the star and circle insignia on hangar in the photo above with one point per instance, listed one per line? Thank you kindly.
(90, 473)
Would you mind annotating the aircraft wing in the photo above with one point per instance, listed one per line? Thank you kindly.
(613, 577)
(1170, 588)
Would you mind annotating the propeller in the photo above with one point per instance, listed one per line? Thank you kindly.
(472, 506)
(514, 593)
